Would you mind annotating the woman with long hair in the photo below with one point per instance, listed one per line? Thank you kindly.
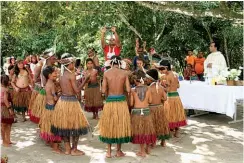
(21, 82)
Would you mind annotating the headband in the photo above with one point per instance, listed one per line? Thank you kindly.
(64, 62)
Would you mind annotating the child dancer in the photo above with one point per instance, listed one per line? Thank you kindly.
(7, 113)
(143, 131)
(51, 98)
(93, 96)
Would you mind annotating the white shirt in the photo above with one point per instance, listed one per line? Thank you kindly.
(218, 63)
(5, 68)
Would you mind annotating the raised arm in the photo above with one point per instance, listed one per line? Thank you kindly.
(96, 61)
(117, 41)
(137, 46)
(103, 43)
(37, 72)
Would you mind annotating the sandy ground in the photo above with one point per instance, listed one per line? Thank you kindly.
(206, 139)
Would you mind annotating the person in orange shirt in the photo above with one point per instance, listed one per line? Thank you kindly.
(190, 58)
(199, 65)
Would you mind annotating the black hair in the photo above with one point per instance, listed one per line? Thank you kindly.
(10, 67)
(5, 80)
(16, 68)
(77, 63)
(36, 59)
(117, 61)
(139, 74)
(216, 43)
(141, 59)
(89, 60)
(189, 65)
(47, 71)
(166, 63)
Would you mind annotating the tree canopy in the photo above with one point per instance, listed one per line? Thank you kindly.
(173, 27)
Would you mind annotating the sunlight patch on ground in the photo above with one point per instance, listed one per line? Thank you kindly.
(197, 140)
(203, 150)
(23, 144)
(230, 132)
(215, 136)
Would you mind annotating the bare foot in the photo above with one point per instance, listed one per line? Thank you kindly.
(163, 143)
(153, 145)
(120, 154)
(141, 154)
(67, 152)
(6, 145)
(11, 142)
(147, 150)
(58, 151)
(77, 152)
(177, 134)
(108, 155)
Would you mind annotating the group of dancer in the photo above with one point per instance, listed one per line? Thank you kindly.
(140, 107)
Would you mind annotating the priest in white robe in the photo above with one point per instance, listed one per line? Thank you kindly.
(215, 61)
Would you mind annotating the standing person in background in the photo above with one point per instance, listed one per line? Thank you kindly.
(92, 55)
(33, 63)
(190, 58)
(114, 46)
(199, 65)
(215, 61)
(12, 61)
(187, 72)
(6, 65)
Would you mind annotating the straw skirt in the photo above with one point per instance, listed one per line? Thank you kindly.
(114, 125)
(93, 98)
(143, 131)
(45, 124)
(38, 106)
(160, 121)
(68, 118)
(5, 115)
(33, 97)
(176, 112)
(21, 99)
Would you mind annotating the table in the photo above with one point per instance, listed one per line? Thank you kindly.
(212, 98)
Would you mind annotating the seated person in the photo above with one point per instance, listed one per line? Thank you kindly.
(188, 72)
(194, 76)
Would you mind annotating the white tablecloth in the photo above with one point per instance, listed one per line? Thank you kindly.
(214, 98)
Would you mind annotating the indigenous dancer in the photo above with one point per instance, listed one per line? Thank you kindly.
(157, 110)
(176, 111)
(68, 120)
(143, 131)
(38, 106)
(51, 97)
(22, 91)
(114, 125)
(7, 113)
(93, 96)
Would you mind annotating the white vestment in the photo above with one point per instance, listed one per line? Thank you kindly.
(218, 64)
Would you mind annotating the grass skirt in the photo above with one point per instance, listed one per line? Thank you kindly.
(176, 112)
(5, 116)
(160, 121)
(114, 125)
(33, 97)
(68, 118)
(45, 124)
(21, 99)
(93, 98)
(143, 131)
(38, 106)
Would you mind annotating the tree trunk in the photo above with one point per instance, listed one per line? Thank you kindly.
(226, 52)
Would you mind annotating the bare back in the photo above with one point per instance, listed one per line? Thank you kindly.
(172, 82)
(66, 83)
(157, 95)
(114, 81)
(137, 102)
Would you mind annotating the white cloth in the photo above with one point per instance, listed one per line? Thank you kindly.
(214, 98)
(218, 63)
(5, 68)
(32, 67)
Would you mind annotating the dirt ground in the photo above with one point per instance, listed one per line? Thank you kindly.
(206, 139)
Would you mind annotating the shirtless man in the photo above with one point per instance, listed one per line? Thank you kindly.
(22, 84)
(114, 125)
(143, 131)
(157, 110)
(68, 120)
(176, 111)
(93, 96)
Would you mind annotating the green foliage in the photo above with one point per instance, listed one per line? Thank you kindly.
(32, 27)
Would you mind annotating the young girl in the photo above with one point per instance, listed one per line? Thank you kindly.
(51, 98)
(21, 82)
(93, 96)
(176, 113)
(143, 131)
(7, 113)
